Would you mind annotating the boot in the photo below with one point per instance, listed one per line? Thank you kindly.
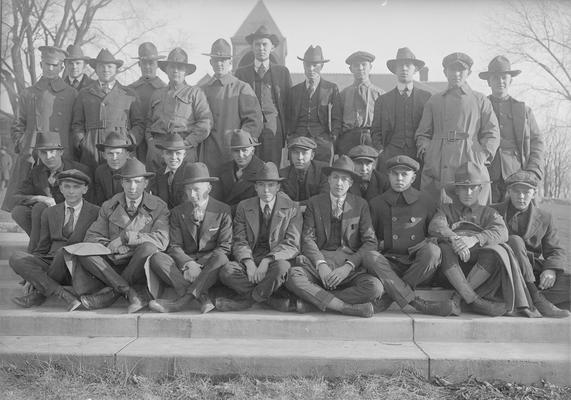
(226, 304)
(136, 301)
(441, 308)
(364, 310)
(383, 303)
(32, 299)
(206, 304)
(279, 303)
(302, 307)
(101, 299)
(544, 306)
(487, 307)
(71, 301)
(168, 306)
(456, 304)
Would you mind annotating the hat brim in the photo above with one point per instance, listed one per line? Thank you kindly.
(368, 158)
(190, 181)
(266, 179)
(151, 58)
(529, 185)
(75, 180)
(224, 56)
(102, 146)
(244, 146)
(486, 74)
(299, 146)
(450, 188)
(391, 64)
(253, 36)
(93, 62)
(145, 175)
(58, 147)
(190, 68)
(329, 170)
(323, 61)
(173, 148)
(83, 58)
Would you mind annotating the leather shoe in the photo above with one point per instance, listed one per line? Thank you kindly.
(226, 304)
(136, 301)
(302, 307)
(487, 307)
(383, 303)
(101, 299)
(32, 299)
(206, 304)
(364, 310)
(548, 309)
(168, 306)
(279, 303)
(440, 308)
(71, 301)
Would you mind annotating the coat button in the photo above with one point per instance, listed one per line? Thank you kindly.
(395, 237)
(412, 219)
(395, 219)
(412, 237)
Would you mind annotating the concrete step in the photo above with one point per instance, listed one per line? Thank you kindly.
(9, 242)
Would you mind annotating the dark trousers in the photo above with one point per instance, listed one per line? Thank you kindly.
(271, 146)
(29, 218)
(46, 274)
(165, 267)
(352, 138)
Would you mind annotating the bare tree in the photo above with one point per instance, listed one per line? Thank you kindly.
(557, 182)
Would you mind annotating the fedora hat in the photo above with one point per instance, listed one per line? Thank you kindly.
(261, 33)
(342, 164)
(468, 174)
(179, 57)
(313, 55)
(269, 172)
(173, 142)
(74, 52)
(220, 49)
(196, 172)
(116, 141)
(52, 54)
(73, 175)
(241, 139)
(148, 51)
(133, 168)
(404, 54)
(499, 65)
(48, 141)
(104, 57)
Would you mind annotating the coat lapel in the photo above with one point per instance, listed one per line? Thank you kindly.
(60, 216)
(253, 218)
(120, 217)
(532, 224)
(277, 219)
(347, 217)
(326, 217)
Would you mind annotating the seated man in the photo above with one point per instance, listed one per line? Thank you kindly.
(304, 177)
(372, 182)
(39, 189)
(132, 226)
(200, 240)
(400, 217)
(116, 151)
(465, 261)
(61, 225)
(534, 240)
(266, 237)
(337, 232)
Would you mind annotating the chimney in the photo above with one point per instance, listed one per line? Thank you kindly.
(423, 73)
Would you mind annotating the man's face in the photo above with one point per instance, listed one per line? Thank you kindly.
(456, 74)
(50, 69)
(267, 190)
(312, 70)
(176, 73)
(468, 195)
(220, 66)
(106, 72)
(360, 70)
(339, 183)
(51, 158)
(262, 49)
(301, 157)
(401, 178)
(405, 71)
(197, 192)
(242, 157)
(72, 191)
(148, 68)
(75, 68)
(521, 196)
(134, 187)
(173, 158)
(364, 167)
(116, 158)
(500, 84)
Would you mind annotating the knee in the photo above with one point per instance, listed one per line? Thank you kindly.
(281, 267)
(516, 243)
(295, 274)
(374, 287)
(158, 260)
(431, 254)
(226, 273)
(20, 213)
(15, 261)
(218, 258)
(38, 208)
(372, 259)
(147, 248)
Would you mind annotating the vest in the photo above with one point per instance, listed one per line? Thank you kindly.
(263, 89)
(263, 244)
(308, 122)
(334, 241)
(404, 126)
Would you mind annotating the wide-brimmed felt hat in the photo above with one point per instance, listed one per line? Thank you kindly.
(404, 54)
(363, 151)
(241, 139)
(173, 142)
(403, 162)
(302, 142)
(116, 141)
(342, 164)
(313, 55)
(48, 141)
(458, 58)
(359, 56)
(178, 56)
(220, 49)
(52, 54)
(499, 65)
(261, 33)
(148, 51)
(196, 172)
(269, 172)
(467, 174)
(74, 52)
(526, 178)
(104, 57)
(133, 168)
(73, 175)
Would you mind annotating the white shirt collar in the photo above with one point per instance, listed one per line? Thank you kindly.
(137, 202)
(401, 86)
(316, 82)
(271, 204)
(257, 64)
(110, 85)
(335, 199)
(167, 169)
(76, 209)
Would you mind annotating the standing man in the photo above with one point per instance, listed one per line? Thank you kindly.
(234, 105)
(116, 151)
(521, 142)
(310, 104)
(177, 108)
(44, 107)
(371, 182)
(457, 126)
(271, 83)
(103, 107)
(353, 112)
(146, 85)
(75, 67)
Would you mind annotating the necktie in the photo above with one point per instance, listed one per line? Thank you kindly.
(311, 87)
(170, 177)
(262, 71)
(132, 209)
(338, 209)
(197, 215)
(405, 92)
(239, 173)
(364, 186)
(514, 223)
(267, 214)
(52, 178)
(75, 83)
(68, 227)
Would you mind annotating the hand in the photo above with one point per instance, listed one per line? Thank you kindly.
(262, 270)
(547, 279)
(193, 269)
(115, 244)
(338, 275)
(123, 249)
(250, 269)
(464, 255)
(49, 201)
(324, 271)
(421, 149)
(381, 245)
(457, 244)
(131, 237)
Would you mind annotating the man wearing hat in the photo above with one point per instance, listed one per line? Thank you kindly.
(104, 107)
(271, 83)
(371, 182)
(534, 240)
(457, 126)
(166, 183)
(177, 108)
(234, 105)
(131, 226)
(40, 189)
(304, 177)
(337, 233)
(310, 104)
(236, 176)
(61, 225)
(354, 109)
(75, 63)
(266, 230)
(398, 112)
(521, 144)
(146, 85)
(45, 106)
(200, 241)
(116, 151)
(407, 258)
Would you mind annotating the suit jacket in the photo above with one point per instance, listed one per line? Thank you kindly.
(159, 186)
(214, 233)
(104, 185)
(53, 218)
(285, 228)
(230, 191)
(357, 234)
(378, 184)
(540, 238)
(85, 82)
(315, 181)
